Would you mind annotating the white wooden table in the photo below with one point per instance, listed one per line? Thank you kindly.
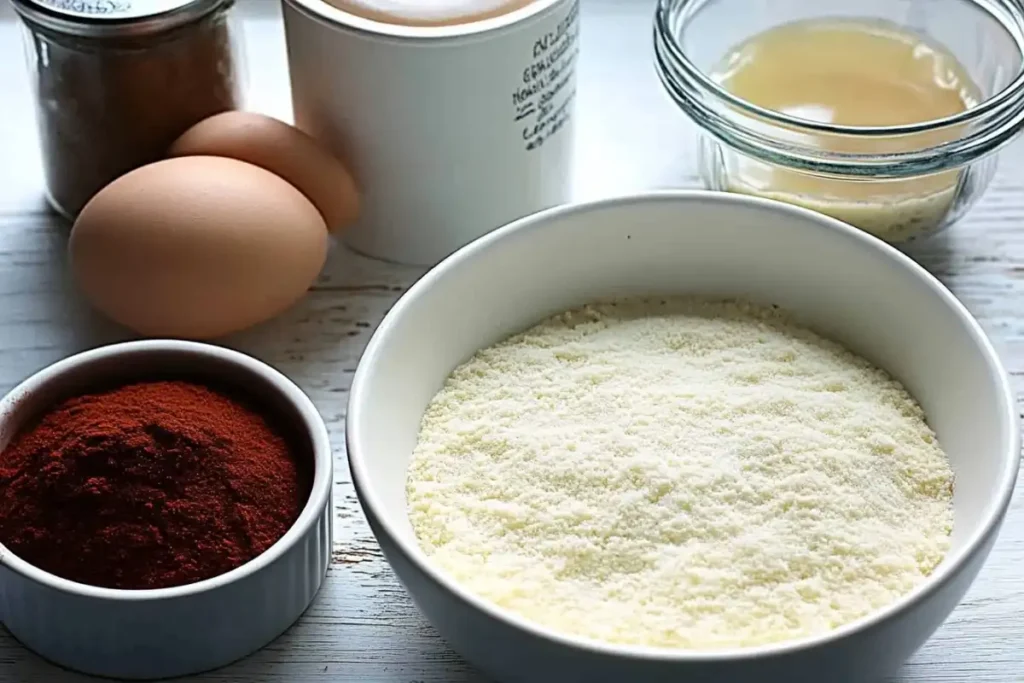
(363, 627)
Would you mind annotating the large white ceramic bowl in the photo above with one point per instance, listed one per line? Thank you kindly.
(168, 632)
(840, 281)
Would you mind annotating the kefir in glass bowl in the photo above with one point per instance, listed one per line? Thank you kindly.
(885, 114)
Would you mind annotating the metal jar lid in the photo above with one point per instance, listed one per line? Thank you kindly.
(114, 17)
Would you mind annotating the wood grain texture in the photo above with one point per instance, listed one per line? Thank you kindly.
(363, 627)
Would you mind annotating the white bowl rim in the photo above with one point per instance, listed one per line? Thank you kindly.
(952, 564)
(312, 424)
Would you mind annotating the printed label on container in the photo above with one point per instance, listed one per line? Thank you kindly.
(543, 99)
(110, 9)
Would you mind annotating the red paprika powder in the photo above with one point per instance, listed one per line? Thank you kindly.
(148, 485)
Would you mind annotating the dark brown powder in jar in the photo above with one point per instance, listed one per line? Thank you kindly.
(110, 103)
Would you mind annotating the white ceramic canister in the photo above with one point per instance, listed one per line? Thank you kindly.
(450, 131)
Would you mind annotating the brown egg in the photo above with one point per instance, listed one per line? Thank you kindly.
(196, 247)
(280, 149)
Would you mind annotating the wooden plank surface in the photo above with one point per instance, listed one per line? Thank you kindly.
(363, 626)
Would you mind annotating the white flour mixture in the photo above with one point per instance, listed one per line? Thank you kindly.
(679, 473)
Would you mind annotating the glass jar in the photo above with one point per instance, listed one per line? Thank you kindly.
(896, 182)
(117, 81)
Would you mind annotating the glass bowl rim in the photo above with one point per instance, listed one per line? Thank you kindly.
(1010, 94)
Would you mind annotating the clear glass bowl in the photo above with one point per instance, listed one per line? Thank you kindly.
(911, 180)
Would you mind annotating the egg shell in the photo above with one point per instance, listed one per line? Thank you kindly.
(280, 149)
(196, 247)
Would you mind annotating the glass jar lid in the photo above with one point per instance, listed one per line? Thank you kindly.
(114, 17)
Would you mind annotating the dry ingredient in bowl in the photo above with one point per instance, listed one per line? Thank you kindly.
(148, 485)
(679, 473)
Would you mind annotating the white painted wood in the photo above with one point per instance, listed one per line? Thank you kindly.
(363, 627)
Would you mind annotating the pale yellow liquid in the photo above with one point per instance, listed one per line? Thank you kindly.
(853, 73)
(428, 12)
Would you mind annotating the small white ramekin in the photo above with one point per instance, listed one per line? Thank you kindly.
(167, 632)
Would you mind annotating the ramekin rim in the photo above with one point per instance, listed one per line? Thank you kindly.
(951, 566)
(312, 424)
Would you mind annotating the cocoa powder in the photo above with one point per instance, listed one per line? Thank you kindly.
(149, 485)
(110, 102)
